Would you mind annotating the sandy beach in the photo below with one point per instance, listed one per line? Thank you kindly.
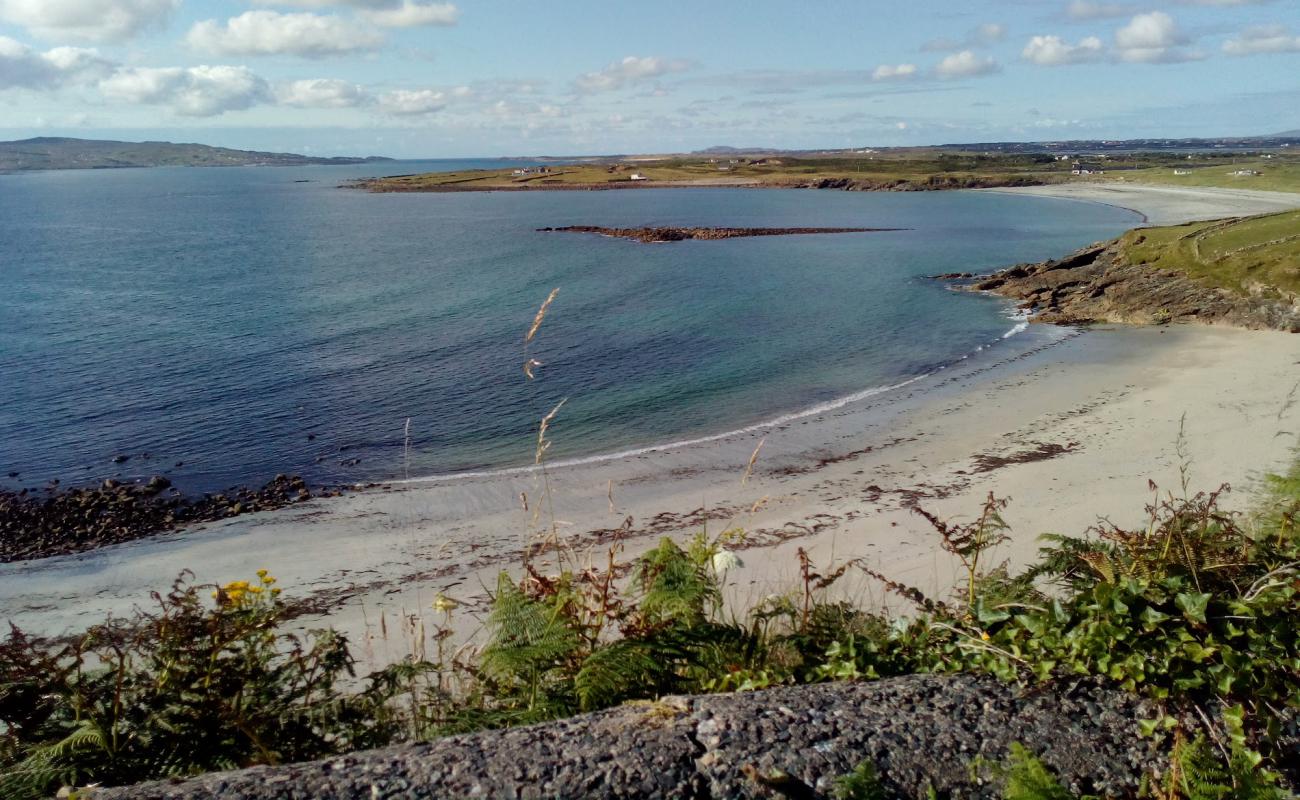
(1168, 205)
(1070, 426)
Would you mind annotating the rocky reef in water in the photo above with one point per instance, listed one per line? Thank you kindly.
(651, 235)
(1100, 284)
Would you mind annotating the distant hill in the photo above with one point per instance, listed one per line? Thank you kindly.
(62, 153)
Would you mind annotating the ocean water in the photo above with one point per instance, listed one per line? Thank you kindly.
(224, 325)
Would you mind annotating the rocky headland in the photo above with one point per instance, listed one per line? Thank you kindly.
(1101, 283)
(659, 234)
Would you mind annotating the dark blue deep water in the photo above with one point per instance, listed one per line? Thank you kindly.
(245, 323)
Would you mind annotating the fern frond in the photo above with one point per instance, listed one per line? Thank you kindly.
(1028, 778)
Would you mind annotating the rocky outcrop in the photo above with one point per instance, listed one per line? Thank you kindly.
(36, 524)
(649, 235)
(1098, 284)
(920, 732)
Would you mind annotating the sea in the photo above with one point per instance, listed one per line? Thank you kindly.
(223, 325)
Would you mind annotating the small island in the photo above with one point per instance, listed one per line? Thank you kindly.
(660, 234)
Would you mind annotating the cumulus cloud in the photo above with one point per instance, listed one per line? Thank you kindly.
(966, 65)
(1152, 38)
(410, 14)
(413, 102)
(979, 36)
(1051, 51)
(24, 68)
(1081, 10)
(87, 20)
(202, 91)
(630, 70)
(321, 93)
(893, 72)
(1262, 39)
(265, 33)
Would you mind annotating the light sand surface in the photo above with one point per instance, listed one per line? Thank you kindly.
(839, 482)
(1169, 205)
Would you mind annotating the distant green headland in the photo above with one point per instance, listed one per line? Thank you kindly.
(1264, 164)
(62, 153)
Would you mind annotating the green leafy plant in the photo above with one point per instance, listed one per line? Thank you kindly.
(863, 783)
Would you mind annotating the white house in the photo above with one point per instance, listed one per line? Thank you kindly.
(636, 176)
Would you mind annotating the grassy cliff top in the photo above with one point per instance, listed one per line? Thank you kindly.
(1246, 255)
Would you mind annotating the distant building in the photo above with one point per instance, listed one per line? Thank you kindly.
(1080, 168)
(1182, 172)
(1245, 173)
(636, 176)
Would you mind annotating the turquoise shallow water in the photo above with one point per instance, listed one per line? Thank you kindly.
(243, 323)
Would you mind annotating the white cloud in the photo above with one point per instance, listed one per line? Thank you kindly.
(966, 65)
(1262, 39)
(411, 102)
(629, 70)
(1086, 10)
(1051, 51)
(264, 33)
(88, 20)
(1152, 38)
(893, 72)
(321, 93)
(1223, 2)
(411, 14)
(201, 91)
(23, 68)
(979, 36)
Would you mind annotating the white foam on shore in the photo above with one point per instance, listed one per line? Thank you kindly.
(820, 408)
(1021, 325)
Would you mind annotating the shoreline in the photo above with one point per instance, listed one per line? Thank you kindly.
(1165, 205)
(1071, 429)
(1049, 427)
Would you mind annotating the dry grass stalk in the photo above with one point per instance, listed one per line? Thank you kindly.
(544, 444)
(749, 468)
(541, 315)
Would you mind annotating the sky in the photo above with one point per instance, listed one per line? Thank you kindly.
(432, 79)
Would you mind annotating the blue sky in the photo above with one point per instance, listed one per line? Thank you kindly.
(426, 78)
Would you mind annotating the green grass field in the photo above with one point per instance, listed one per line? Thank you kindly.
(1278, 174)
(1243, 255)
(884, 170)
(915, 168)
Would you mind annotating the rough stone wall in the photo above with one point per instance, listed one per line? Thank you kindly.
(920, 731)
